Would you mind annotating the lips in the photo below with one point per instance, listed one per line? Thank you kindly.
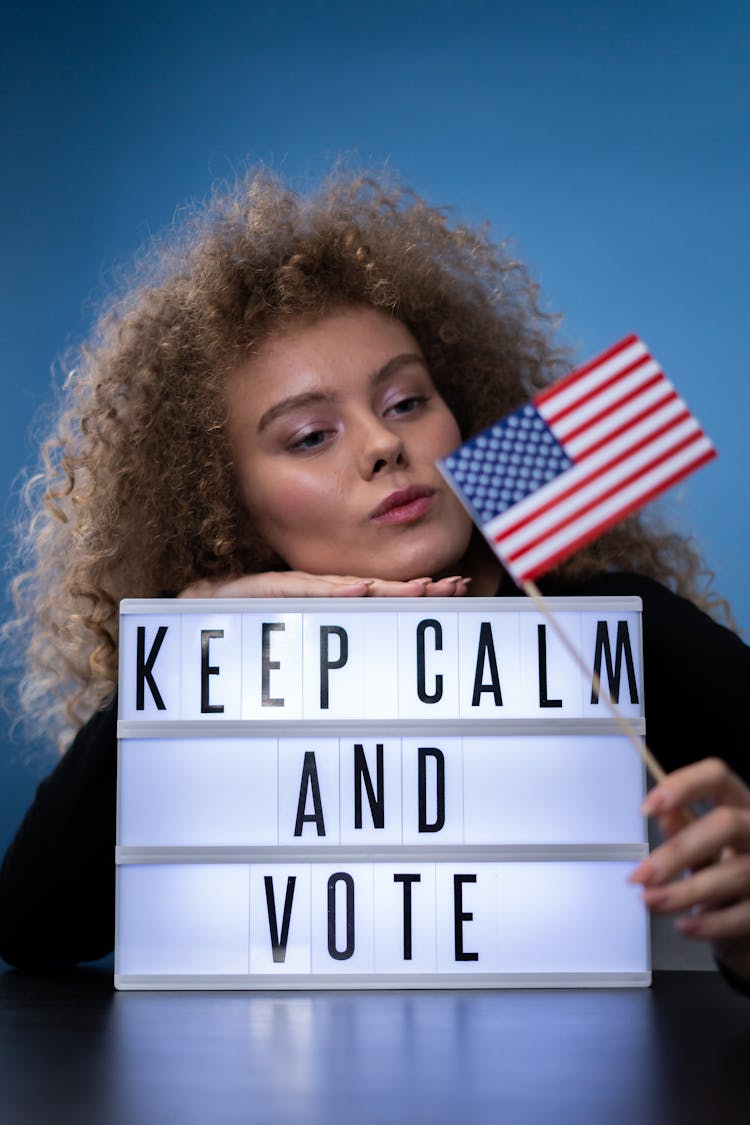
(404, 505)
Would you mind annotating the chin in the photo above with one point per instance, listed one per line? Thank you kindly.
(424, 564)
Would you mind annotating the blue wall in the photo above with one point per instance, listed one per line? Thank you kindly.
(609, 140)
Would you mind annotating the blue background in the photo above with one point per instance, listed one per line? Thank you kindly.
(609, 140)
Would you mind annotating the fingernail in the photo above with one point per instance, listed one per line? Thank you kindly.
(654, 802)
(689, 924)
(647, 872)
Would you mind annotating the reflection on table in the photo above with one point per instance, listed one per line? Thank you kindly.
(73, 1050)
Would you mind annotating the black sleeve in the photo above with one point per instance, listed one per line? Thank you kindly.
(57, 883)
(696, 676)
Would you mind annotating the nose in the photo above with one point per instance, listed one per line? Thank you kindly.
(380, 448)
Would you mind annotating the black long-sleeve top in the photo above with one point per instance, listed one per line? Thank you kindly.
(57, 883)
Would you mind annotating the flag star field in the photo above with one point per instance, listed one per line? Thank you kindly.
(509, 461)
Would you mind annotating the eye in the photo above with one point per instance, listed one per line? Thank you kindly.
(311, 440)
(407, 405)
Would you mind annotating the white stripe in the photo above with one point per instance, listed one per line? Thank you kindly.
(600, 485)
(617, 418)
(571, 477)
(600, 515)
(567, 395)
(607, 397)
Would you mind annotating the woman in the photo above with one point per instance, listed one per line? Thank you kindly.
(261, 417)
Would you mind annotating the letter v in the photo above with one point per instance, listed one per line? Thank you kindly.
(278, 943)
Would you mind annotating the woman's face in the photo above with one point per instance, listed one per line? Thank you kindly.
(335, 427)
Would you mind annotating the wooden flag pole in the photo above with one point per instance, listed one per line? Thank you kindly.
(650, 762)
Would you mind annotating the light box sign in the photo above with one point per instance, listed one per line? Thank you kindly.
(380, 793)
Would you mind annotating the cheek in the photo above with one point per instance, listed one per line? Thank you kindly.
(448, 436)
(292, 504)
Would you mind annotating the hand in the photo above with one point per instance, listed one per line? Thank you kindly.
(713, 900)
(298, 584)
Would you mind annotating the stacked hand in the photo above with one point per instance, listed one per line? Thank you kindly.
(297, 584)
(702, 870)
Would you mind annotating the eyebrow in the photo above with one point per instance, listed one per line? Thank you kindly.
(308, 398)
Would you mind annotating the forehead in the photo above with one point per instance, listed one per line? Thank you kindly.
(350, 341)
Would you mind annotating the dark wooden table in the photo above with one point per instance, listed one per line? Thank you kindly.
(72, 1050)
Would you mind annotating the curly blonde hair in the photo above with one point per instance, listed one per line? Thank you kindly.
(137, 496)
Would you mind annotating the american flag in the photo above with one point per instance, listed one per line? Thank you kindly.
(580, 456)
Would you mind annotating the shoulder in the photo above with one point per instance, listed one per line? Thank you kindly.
(676, 631)
(661, 606)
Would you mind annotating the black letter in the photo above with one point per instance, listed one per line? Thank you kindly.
(361, 773)
(144, 668)
(278, 944)
(208, 670)
(486, 648)
(421, 689)
(423, 753)
(407, 880)
(460, 916)
(613, 677)
(345, 953)
(543, 700)
(325, 663)
(268, 665)
(309, 777)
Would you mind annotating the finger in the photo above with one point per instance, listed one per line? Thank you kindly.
(297, 584)
(712, 886)
(728, 925)
(453, 587)
(279, 584)
(387, 588)
(671, 822)
(709, 779)
(698, 843)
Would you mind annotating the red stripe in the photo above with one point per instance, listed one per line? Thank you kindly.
(636, 421)
(579, 372)
(622, 401)
(560, 497)
(621, 513)
(607, 494)
(597, 390)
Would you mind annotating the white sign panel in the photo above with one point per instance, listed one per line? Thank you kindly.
(212, 664)
(355, 793)
(282, 922)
